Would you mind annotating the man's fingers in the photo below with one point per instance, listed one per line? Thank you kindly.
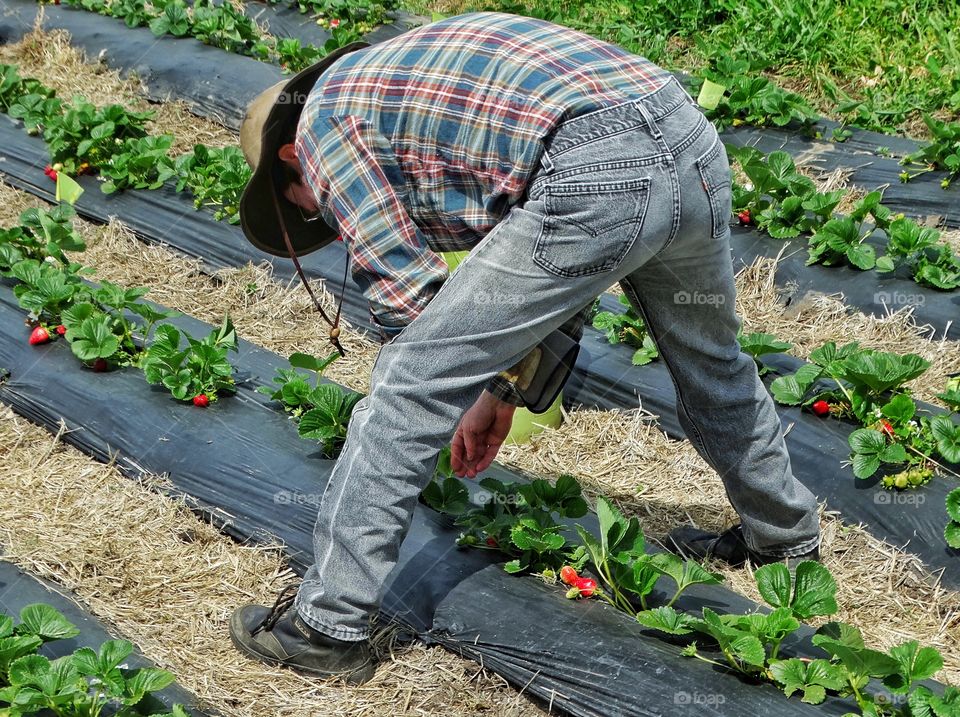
(472, 445)
(456, 454)
(487, 459)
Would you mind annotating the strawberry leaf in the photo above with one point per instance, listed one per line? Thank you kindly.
(810, 593)
(46, 623)
(951, 533)
(140, 682)
(900, 409)
(947, 435)
(812, 679)
(666, 619)
(953, 504)
(916, 663)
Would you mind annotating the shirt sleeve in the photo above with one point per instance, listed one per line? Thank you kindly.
(353, 171)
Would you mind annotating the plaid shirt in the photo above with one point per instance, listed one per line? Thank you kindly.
(422, 143)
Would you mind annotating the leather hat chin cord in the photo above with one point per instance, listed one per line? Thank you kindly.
(334, 335)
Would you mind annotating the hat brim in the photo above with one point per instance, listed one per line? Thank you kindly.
(262, 196)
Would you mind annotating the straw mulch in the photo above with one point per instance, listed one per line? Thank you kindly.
(168, 581)
(49, 57)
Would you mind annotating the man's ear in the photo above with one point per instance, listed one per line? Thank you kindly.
(288, 153)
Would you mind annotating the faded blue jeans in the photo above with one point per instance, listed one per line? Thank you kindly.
(638, 193)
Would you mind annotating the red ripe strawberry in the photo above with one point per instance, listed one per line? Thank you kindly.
(886, 428)
(201, 400)
(586, 586)
(568, 575)
(335, 22)
(821, 408)
(50, 172)
(61, 329)
(492, 542)
(744, 216)
(100, 365)
(39, 336)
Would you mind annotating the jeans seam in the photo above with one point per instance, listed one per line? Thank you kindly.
(632, 294)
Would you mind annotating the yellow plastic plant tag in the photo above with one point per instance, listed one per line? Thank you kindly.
(710, 95)
(67, 189)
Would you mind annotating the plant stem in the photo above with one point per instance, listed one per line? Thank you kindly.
(936, 463)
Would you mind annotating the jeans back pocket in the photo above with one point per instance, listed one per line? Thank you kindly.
(714, 168)
(588, 228)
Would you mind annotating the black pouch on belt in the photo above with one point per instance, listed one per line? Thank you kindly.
(541, 375)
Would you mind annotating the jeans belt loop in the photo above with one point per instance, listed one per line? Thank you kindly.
(546, 162)
(648, 120)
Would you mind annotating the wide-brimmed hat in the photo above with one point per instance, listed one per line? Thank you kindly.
(262, 133)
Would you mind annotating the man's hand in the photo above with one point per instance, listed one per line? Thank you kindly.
(482, 430)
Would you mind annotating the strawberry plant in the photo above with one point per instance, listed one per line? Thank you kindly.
(777, 198)
(862, 377)
(760, 344)
(291, 53)
(326, 415)
(38, 624)
(939, 269)
(86, 683)
(91, 135)
(293, 387)
(943, 153)
(36, 109)
(13, 87)
(172, 18)
(40, 234)
(952, 531)
(101, 328)
(868, 386)
(226, 27)
(322, 410)
(45, 291)
(620, 559)
(199, 368)
(220, 25)
(445, 494)
(760, 102)
(843, 239)
(518, 519)
(627, 328)
(750, 644)
(142, 163)
(216, 177)
(931, 262)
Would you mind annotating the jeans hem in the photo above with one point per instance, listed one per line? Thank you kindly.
(794, 552)
(347, 634)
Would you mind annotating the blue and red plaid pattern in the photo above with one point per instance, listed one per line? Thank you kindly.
(422, 143)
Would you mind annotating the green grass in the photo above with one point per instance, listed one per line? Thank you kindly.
(878, 63)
